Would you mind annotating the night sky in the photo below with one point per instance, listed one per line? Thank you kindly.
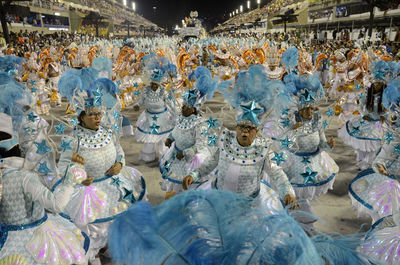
(169, 13)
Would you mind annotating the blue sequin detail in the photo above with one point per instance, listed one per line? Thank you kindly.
(314, 184)
(161, 133)
(156, 113)
(358, 137)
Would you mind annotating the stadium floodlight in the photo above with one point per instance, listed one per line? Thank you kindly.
(56, 14)
(248, 4)
(134, 6)
(124, 2)
(237, 11)
(258, 2)
(241, 8)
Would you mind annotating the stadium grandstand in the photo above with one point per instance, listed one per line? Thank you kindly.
(110, 17)
(324, 18)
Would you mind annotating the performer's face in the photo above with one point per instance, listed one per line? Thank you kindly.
(245, 134)
(92, 119)
(187, 110)
(307, 113)
(154, 86)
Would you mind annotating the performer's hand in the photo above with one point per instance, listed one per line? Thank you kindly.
(115, 169)
(382, 169)
(187, 181)
(77, 158)
(297, 125)
(366, 118)
(168, 142)
(136, 108)
(331, 142)
(88, 181)
(291, 200)
(180, 155)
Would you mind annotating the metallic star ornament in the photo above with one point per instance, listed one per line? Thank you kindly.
(285, 112)
(42, 147)
(166, 168)
(116, 114)
(190, 96)
(330, 112)
(309, 176)
(211, 123)
(285, 143)
(74, 121)
(97, 97)
(136, 93)
(212, 140)
(285, 123)
(389, 138)
(325, 124)
(361, 96)
(154, 118)
(65, 145)
(116, 181)
(154, 128)
(278, 158)
(129, 196)
(362, 123)
(397, 149)
(250, 113)
(306, 160)
(31, 117)
(307, 97)
(60, 129)
(43, 168)
(355, 130)
(32, 82)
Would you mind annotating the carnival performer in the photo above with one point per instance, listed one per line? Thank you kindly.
(30, 233)
(376, 192)
(189, 135)
(309, 167)
(240, 158)
(158, 120)
(364, 132)
(115, 186)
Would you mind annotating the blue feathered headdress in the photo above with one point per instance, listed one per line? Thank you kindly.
(391, 95)
(75, 85)
(14, 99)
(158, 67)
(252, 94)
(380, 71)
(10, 63)
(306, 89)
(290, 59)
(103, 65)
(216, 227)
(204, 88)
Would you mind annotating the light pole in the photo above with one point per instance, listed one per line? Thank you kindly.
(248, 4)
(237, 11)
(258, 3)
(133, 6)
(241, 8)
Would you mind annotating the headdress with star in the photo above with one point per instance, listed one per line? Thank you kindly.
(204, 88)
(380, 71)
(252, 95)
(391, 101)
(156, 68)
(306, 90)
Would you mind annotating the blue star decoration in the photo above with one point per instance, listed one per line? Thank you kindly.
(118, 83)
(74, 121)
(324, 124)
(136, 93)
(250, 113)
(116, 114)
(285, 122)
(355, 130)
(165, 169)
(285, 143)
(97, 97)
(154, 128)
(33, 82)
(116, 181)
(42, 148)
(278, 158)
(285, 112)
(212, 140)
(361, 96)
(397, 149)
(389, 137)
(330, 112)
(129, 196)
(306, 160)
(60, 128)
(190, 96)
(307, 97)
(65, 145)
(309, 176)
(362, 122)
(43, 168)
(155, 118)
(31, 117)
(211, 123)
(116, 128)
